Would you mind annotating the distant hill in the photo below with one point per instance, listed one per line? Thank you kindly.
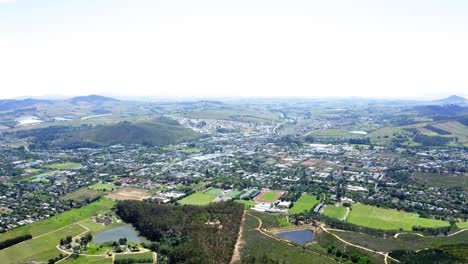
(92, 99)
(158, 132)
(450, 110)
(454, 99)
(12, 104)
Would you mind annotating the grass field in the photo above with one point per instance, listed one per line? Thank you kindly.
(82, 194)
(129, 194)
(64, 166)
(334, 211)
(304, 203)
(233, 194)
(214, 191)
(41, 249)
(103, 186)
(268, 196)
(198, 199)
(88, 260)
(442, 180)
(145, 255)
(462, 224)
(381, 218)
(60, 220)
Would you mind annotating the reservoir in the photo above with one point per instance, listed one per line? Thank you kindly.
(298, 236)
(114, 234)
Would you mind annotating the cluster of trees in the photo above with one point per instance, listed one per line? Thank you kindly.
(335, 223)
(187, 234)
(13, 241)
(66, 241)
(431, 231)
(426, 256)
(55, 260)
(355, 258)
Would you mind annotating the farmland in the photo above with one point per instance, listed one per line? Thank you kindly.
(304, 203)
(381, 218)
(334, 211)
(139, 256)
(198, 199)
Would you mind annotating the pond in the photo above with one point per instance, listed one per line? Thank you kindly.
(302, 237)
(358, 132)
(118, 232)
(27, 120)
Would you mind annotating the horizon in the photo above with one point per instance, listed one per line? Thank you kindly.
(241, 48)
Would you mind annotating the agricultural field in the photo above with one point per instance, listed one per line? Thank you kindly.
(129, 194)
(88, 260)
(268, 197)
(40, 249)
(304, 203)
(337, 212)
(61, 220)
(380, 218)
(214, 191)
(64, 166)
(198, 199)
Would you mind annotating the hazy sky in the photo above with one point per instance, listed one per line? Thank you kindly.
(216, 48)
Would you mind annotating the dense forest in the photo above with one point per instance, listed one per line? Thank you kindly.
(187, 234)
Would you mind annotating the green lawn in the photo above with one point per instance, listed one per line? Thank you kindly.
(269, 196)
(462, 224)
(82, 194)
(64, 166)
(198, 199)
(214, 191)
(60, 220)
(304, 203)
(337, 212)
(381, 218)
(88, 260)
(41, 249)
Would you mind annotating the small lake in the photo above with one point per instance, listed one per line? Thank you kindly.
(302, 237)
(115, 233)
(27, 120)
(359, 132)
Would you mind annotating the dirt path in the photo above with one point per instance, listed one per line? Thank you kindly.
(236, 257)
(406, 233)
(384, 254)
(458, 232)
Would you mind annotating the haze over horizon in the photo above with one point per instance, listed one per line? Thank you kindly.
(213, 49)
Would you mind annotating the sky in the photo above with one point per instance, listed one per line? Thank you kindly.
(234, 48)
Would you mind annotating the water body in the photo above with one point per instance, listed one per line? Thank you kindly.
(302, 237)
(27, 120)
(359, 132)
(115, 233)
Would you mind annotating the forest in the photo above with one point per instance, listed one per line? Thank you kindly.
(187, 234)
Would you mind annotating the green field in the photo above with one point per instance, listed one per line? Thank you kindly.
(462, 224)
(82, 194)
(380, 218)
(88, 260)
(334, 211)
(444, 180)
(41, 249)
(198, 199)
(233, 194)
(60, 220)
(145, 255)
(41, 177)
(103, 186)
(304, 203)
(214, 191)
(269, 196)
(64, 166)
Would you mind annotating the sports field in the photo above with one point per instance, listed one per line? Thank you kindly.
(268, 197)
(304, 203)
(214, 191)
(233, 194)
(337, 212)
(381, 218)
(198, 199)
(103, 186)
(64, 166)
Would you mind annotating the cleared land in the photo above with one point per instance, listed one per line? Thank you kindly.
(129, 194)
(198, 199)
(442, 180)
(337, 212)
(304, 203)
(82, 194)
(381, 218)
